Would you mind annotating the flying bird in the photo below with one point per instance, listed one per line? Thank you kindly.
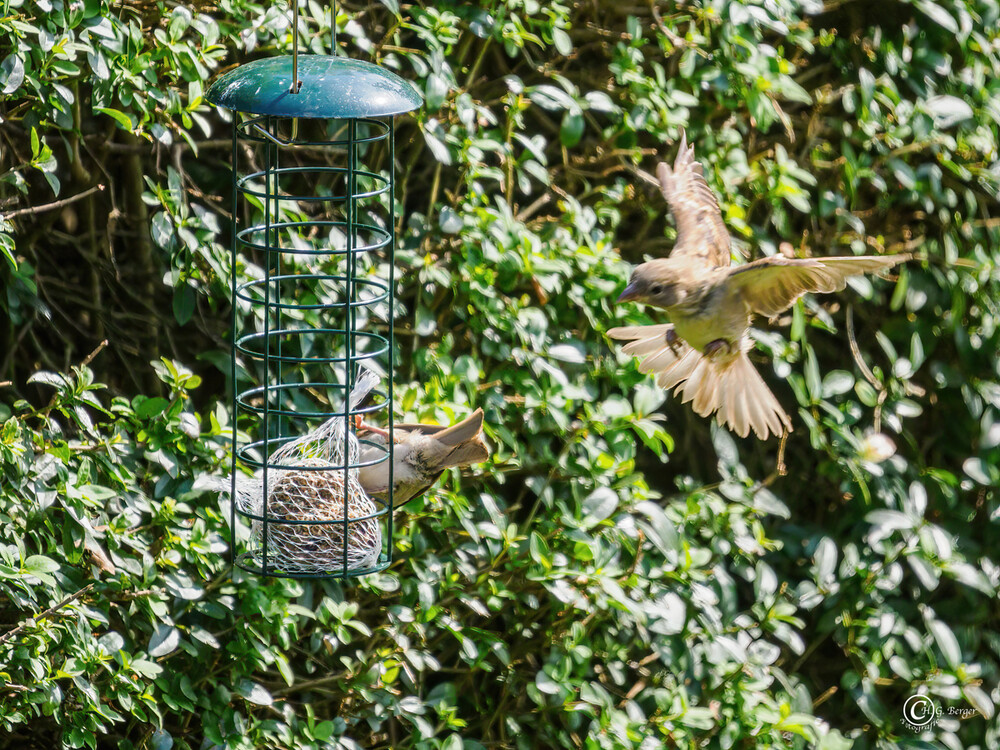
(702, 352)
(421, 454)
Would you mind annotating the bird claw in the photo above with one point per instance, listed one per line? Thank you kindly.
(714, 347)
(362, 426)
(672, 338)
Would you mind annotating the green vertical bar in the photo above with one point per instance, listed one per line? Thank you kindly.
(269, 166)
(350, 318)
(232, 344)
(279, 423)
(391, 260)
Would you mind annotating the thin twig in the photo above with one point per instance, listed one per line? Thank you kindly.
(309, 684)
(531, 210)
(780, 469)
(643, 175)
(856, 352)
(90, 357)
(55, 205)
(47, 613)
(87, 360)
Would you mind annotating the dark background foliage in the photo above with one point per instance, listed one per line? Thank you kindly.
(622, 574)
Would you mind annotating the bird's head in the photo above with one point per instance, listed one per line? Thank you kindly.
(654, 283)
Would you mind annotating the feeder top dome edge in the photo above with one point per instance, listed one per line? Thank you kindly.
(332, 88)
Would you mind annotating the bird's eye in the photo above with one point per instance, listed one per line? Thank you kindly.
(656, 289)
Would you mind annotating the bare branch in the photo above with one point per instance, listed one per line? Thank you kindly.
(55, 205)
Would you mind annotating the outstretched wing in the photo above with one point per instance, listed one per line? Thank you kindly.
(701, 232)
(770, 285)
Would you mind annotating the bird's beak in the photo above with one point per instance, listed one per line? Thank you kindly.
(631, 293)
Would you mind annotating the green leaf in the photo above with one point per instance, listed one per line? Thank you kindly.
(165, 640)
(184, 303)
(813, 382)
(659, 529)
(601, 503)
(324, 730)
(39, 565)
(127, 121)
(438, 148)
(562, 42)
(837, 383)
(946, 642)
(668, 615)
(545, 683)
(449, 220)
(436, 91)
(826, 559)
(573, 353)
(146, 668)
(11, 73)
(937, 14)
(834, 740)
(426, 323)
(150, 407)
(698, 717)
(540, 551)
(948, 111)
(979, 471)
(254, 693)
(980, 700)
(160, 739)
(891, 520)
(572, 128)
(801, 724)
(49, 378)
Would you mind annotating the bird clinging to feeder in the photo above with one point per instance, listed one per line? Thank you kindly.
(422, 453)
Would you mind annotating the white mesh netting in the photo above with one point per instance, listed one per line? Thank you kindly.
(314, 490)
(317, 494)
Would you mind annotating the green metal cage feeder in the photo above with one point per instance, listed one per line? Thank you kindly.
(313, 222)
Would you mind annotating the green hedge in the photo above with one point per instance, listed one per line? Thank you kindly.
(622, 574)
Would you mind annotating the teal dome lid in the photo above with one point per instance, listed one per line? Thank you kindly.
(332, 88)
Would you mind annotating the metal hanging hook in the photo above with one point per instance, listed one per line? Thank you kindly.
(296, 83)
(273, 138)
(333, 27)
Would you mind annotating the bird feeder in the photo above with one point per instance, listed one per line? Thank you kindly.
(313, 227)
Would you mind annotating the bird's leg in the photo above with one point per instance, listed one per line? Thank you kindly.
(360, 424)
(672, 338)
(714, 347)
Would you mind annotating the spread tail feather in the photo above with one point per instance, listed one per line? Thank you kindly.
(459, 432)
(727, 386)
(458, 445)
(472, 452)
(740, 398)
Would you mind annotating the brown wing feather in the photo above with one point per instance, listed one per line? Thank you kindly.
(701, 232)
(770, 285)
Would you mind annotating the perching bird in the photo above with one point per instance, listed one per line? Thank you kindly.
(421, 454)
(702, 353)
